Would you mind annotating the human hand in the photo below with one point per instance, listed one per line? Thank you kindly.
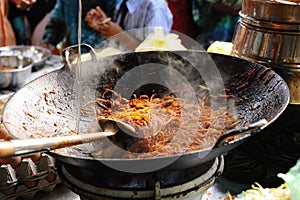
(109, 29)
(98, 21)
(94, 17)
(23, 4)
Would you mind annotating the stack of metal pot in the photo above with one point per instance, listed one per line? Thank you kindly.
(269, 33)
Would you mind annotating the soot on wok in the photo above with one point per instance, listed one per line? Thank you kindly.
(193, 134)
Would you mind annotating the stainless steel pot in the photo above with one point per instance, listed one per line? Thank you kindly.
(283, 11)
(38, 54)
(17, 71)
(269, 33)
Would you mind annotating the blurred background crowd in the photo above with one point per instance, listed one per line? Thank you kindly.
(54, 23)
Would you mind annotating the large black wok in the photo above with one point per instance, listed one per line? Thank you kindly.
(45, 106)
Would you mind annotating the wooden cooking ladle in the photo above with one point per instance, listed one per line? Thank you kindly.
(18, 147)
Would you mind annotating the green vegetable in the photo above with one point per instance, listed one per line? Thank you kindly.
(292, 178)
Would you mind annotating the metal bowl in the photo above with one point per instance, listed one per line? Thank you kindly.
(38, 54)
(14, 71)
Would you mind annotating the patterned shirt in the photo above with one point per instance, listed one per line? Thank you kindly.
(64, 22)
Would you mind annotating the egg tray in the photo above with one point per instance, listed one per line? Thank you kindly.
(29, 178)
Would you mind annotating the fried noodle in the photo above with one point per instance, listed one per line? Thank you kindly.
(160, 122)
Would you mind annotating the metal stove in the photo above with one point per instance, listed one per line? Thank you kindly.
(187, 184)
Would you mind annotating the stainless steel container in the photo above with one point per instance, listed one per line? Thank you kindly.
(15, 70)
(269, 33)
(38, 54)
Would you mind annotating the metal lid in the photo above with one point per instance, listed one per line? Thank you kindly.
(283, 11)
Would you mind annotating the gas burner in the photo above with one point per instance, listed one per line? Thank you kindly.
(179, 184)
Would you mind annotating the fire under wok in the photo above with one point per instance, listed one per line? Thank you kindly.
(46, 106)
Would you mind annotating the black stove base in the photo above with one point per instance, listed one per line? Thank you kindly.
(191, 189)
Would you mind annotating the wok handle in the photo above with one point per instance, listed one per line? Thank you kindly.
(30, 146)
(240, 133)
(72, 52)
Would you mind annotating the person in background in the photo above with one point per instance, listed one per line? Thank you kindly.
(216, 19)
(23, 4)
(25, 20)
(183, 21)
(129, 15)
(7, 36)
(63, 23)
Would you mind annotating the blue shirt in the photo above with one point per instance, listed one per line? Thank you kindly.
(64, 22)
(146, 13)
